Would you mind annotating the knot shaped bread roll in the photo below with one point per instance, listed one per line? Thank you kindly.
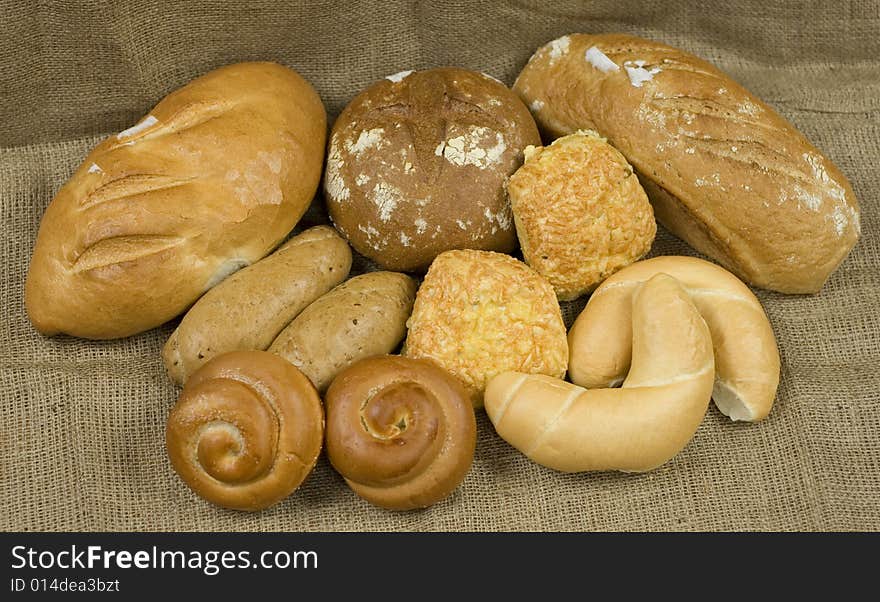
(246, 430)
(401, 431)
(212, 179)
(635, 428)
(746, 356)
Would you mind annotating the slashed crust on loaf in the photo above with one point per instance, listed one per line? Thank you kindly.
(724, 171)
(580, 212)
(212, 179)
(479, 313)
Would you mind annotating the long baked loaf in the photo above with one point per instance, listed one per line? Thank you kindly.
(723, 170)
(212, 179)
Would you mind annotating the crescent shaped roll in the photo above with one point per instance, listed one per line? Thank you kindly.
(746, 356)
(634, 428)
(401, 431)
(246, 430)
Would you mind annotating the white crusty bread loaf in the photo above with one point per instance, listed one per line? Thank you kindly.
(746, 355)
(635, 428)
(212, 179)
(723, 170)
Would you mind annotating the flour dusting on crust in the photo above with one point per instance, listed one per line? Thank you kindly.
(137, 128)
(600, 60)
(637, 73)
(334, 183)
(374, 138)
(399, 76)
(470, 148)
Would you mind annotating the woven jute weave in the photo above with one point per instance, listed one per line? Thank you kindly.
(82, 423)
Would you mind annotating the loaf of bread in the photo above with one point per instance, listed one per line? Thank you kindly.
(402, 432)
(417, 164)
(723, 170)
(362, 317)
(580, 212)
(250, 308)
(479, 313)
(634, 428)
(246, 430)
(746, 357)
(212, 179)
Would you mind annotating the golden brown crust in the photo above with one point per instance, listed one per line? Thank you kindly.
(401, 431)
(213, 178)
(746, 356)
(417, 163)
(361, 317)
(246, 430)
(580, 212)
(479, 313)
(724, 171)
(634, 428)
(248, 309)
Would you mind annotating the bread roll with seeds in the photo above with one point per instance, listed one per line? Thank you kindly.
(479, 313)
(417, 165)
(580, 212)
(723, 170)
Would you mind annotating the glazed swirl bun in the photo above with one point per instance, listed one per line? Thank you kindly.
(246, 430)
(401, 431)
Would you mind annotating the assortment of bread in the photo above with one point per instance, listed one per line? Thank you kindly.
(443, 170)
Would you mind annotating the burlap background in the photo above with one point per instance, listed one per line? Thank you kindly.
(82, 422)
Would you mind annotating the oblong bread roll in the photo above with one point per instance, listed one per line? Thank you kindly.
(635, 428)
(248, 309)
(746, 355)
(360, 318)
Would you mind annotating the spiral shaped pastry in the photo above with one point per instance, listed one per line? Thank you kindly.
(401, 431)
(246, 430)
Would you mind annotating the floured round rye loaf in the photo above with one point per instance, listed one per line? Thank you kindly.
(211, 180)
(724, 171)
(417, 165)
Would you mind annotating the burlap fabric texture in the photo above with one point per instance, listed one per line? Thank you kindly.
(82, 423)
